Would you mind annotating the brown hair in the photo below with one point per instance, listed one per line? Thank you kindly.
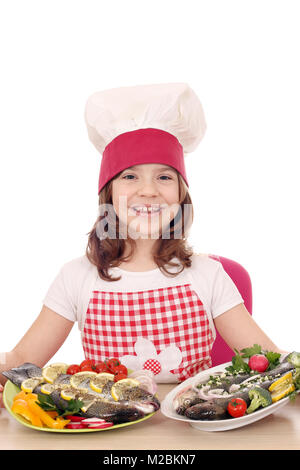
(108, 252)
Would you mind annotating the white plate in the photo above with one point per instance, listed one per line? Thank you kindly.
(220, 424)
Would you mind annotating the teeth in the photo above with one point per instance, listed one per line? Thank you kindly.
(147, 209)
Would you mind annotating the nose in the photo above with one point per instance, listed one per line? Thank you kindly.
(147, 188)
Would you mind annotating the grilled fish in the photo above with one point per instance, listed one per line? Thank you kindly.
(135, 402)
(195, 404)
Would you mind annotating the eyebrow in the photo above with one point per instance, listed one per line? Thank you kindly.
(136, 167)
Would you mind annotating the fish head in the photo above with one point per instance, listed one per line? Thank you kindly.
(141, 400)
(184, 399)
(26, 371)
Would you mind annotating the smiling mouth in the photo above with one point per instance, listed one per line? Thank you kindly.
(147, 210)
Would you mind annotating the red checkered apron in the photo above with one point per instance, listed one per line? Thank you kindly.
(166, 318)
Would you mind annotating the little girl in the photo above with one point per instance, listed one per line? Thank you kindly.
(140, 293)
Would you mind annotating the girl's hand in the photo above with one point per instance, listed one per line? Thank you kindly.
(1, 401)
(239, 330)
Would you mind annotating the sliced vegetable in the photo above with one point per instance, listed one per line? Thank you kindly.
(87, 404)
(207, 393)
(21, 407)
(101, 426)
(21, 394)
(57, 423)
(78, 380)
(51, 372)
(120, 387)
(75, 418)
(36, 421)
(282, 387)
(278, 395)
(284, 379)
(78, 425)
(68, 394)
(29, 385)
(100, 380)
(47, 388)
(146, 380)
(93, 421)
(31, 395)
(53, 414)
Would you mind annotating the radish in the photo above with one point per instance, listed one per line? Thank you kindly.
(100, 426)
(258, 362)
(93, 421)
(77, 425)
(75, 418)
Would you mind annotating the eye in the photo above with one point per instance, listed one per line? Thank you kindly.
(133, 176)
(125, 176)
(165, 176)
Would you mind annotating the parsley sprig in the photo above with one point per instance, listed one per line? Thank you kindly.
(239, 365)
(47, 403)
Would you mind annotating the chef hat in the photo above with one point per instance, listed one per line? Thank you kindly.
(144, 124)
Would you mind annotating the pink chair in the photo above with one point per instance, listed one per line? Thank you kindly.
(221, 352)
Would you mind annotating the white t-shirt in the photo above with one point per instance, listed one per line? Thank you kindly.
(71, 290)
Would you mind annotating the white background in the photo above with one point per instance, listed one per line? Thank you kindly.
(241, 58)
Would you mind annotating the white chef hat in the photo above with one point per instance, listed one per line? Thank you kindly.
(132, 125)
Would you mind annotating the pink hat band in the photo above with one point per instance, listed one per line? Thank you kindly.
(138, 147)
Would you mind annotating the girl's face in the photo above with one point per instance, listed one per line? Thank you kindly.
(146, 198)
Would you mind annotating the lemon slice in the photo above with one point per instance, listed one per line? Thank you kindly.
(29, 385)
(118, 389)
(282, 387)
(50, 373)
(79, 380)
(282, 392)
(87, 404)
(47, 388)
(97, 383)
(68, 394)
(284, 379)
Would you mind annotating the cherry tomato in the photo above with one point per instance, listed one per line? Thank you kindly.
(100, 367)
(118, 377)
(258, 362)
(120, 370)
(86, 362)
(73, 369)
(87, 367)
(112, 363)
(237, 407)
